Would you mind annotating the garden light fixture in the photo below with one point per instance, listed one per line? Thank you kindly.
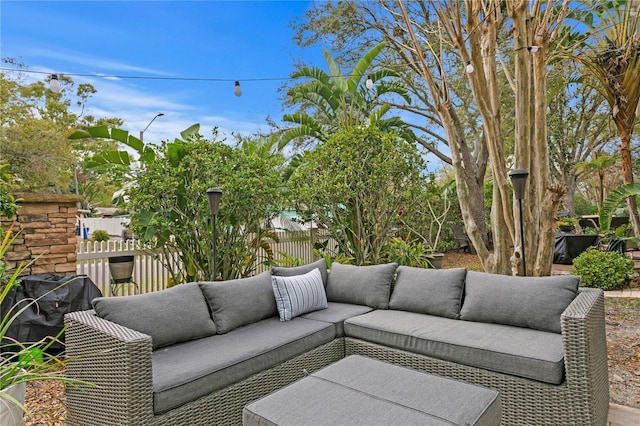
(519, 181)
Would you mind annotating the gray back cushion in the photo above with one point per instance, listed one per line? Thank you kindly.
(301, 270)
(361, 285)
(177, 314)
(428, 291)
(533, 302)
(235, 303)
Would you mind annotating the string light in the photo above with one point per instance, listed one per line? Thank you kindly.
(237, 90)
(54, 83)
(369, 83)
(470, 67)
(237, 87)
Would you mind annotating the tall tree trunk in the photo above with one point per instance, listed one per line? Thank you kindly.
(627, 177)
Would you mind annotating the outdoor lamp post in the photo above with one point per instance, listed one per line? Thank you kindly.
(214, 195)
(519, 181)
(160, 114)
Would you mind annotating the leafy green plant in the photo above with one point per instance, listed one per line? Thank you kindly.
(605, 270)
(408, 253)
(100, 235)
(613, 200)
(568, 222)
(287, 260)
(340, 258)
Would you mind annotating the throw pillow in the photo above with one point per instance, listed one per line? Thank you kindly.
(532, 302)
(299, 294)
(299, 270)
(428, 291)
(361, 285)
(177, 314)
(235, 303)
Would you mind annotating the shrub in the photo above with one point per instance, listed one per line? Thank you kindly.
(605, 270)
(100, 235)
(408, 253)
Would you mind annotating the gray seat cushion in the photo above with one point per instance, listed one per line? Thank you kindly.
(187, 371)
(533, 302)
(517, 351)
(303, 269)
(428, 291)
(336, 313)
(235, 303)
(177, 314)
(361, 285)
(362, 391)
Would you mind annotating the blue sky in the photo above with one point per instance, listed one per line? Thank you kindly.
(225, 40)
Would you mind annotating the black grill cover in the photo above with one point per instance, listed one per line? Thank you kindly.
(57, 295)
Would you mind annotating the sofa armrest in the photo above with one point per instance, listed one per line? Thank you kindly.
(118, 361)
(585, 347)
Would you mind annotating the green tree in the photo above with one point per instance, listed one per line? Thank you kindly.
(601, 163)
(35, 123)
(613, 58)
(493, 41)
(356, 183)
(337, 101)
(579, 127)
(172, 213)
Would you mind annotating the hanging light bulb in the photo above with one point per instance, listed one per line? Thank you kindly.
(54, 83)
(533, 49)
(238, 90)
(470, 67)
(369, 82)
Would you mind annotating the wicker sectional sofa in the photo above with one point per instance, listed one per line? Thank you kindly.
(195, 354)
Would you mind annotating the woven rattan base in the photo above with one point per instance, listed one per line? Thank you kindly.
(118, 401)
(524, 401)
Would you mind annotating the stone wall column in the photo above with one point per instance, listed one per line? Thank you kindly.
(46, 233)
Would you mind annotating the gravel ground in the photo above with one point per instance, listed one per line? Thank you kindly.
(623, 344)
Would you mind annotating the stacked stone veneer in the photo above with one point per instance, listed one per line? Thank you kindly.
(47, 233)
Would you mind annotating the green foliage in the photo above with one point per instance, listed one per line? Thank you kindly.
(35, 123)
(356, 183)
(604, 270)
(613, 200)
(100, 235)
(8, 205)
(408, 253)
(337, 100)
(287, 260)
(329, 259)
(584, 207)
(172, 212)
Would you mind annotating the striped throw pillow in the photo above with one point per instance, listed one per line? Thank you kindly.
(299, 294)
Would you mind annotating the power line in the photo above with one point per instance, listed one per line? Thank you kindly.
(140, 77)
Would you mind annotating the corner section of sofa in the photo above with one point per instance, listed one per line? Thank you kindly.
(582, 398)
(117, 361)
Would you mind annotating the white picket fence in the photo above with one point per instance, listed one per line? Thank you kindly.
(150, 274)
(148, 271)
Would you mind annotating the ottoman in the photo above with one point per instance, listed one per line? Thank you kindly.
(362, 391)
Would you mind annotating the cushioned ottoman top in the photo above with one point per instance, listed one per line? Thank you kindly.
(360, 390)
